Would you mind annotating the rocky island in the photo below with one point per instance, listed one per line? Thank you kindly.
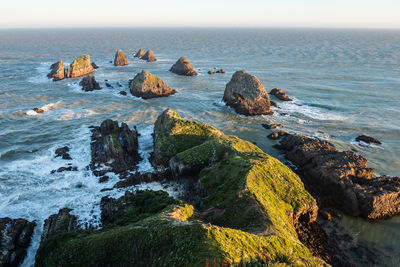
(183, 67)
(148, 85)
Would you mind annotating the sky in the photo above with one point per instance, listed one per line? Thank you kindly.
(200, 13)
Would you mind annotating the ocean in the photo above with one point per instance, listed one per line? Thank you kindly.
(344, 83)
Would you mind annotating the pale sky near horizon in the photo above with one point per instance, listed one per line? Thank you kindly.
(204, 13)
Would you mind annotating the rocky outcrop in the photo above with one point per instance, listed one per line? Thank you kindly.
(120, 59)
(280, 94)
(140, 53)
(148, 85)
(247, 95)
(277, 135)
(272, 126)
(79, 67)
(15, 238)
(89, 83)
(60, 223)
(63, 152)
(368, 139)
(113, 148)
(57, 71)
(342, 179)
(94, 65)
(183, 67)
(149, 56)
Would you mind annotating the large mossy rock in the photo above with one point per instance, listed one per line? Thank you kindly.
(247, 95)
(79, 67)
(148, 85)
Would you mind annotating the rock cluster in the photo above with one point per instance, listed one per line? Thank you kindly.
(89, 83)
(15, 238)
(140, 53)
(57, 71)
(120, 59)
(247, 95)
(342, 179)
(63, 152)
(280, 94)
(183, 67)
(148, 85)
(148, 56)
(79, 67)
(113, 148)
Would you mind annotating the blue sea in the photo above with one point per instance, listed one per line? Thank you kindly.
(344, 83)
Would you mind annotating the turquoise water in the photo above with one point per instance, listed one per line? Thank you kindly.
(344, 83)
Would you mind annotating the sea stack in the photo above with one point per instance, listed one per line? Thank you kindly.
(89, 83)
(79, 67)
(140, 53)
(149, 56)
(120, 58)
(247, 95)
(183, 67)
(57, 71)
(148, 85)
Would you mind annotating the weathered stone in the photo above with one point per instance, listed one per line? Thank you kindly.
(57, 71)
(220, 71)
(280, 94)
(247, 95)
(94, 65)
(79, 67)
(63, 152)
(210, 72)
(38, 110)
(148, 85)
(276, 135)
(15, 238)
(183, 67)
(368, 139)
(120, 59)
(122, 93)
(60, 223)
(140, 53)
(149, 56)
(89, 83)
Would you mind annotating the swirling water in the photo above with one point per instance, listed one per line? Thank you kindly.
(344, 83)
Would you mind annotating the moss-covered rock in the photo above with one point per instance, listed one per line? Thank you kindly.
(79, 67)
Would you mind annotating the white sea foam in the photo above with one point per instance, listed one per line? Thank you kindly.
(41, 77)
(45, 108)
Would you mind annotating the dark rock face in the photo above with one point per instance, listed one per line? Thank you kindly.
(15, 238)
(122, 92)
(63, 169)
(89, 83)
(368, 139)
(94, 65)
(113, 148)
(149, 56)
(120, 59)
(57, 71)
(79, 67)
(60, 223)
(140, 53)
(183, 67)
(148, 85)
(63, 152)
(247, 95)
(342, 179)
(280, 94)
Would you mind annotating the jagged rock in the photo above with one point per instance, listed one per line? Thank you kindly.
(60, 223)
(122, 93)
(109, 85)
(149, 56)
(63, 152)
(63, 169)
(183, 67)
(113, 148)
(140, 53)
(220, 71)
(79, 67)
(276, 135)
(57, 71)
(104, 179)
(273, 103)
(15, 238)
(247, 95)
(280, 94)
(89, 83)
(210, 72)
(342, 179)
(148, 85)
(94, 65)
(120, 59)
(368, 139)
(139, 178)
(38, 110)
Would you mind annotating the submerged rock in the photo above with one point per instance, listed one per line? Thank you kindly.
(120, 59)
(149, 56)
(220, 71)
(15, 238)
(368, 139)
(57, 71)
(140, 53)
(148, 85)
(63, 152)
(280, 94)
(342, 179)
(247, 95)
(79, 67)
(277, 135)
(113, 148)
(38, 110)
(94, 65)
(89, 83)
(210, 72)
(122, 93)
(58, 224)
(183, 67)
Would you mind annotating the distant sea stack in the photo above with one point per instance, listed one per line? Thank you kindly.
(57, 71)
(247, 95)
(148, 85)
(149, 56)
(183, 67)
(120, 58)
(79, 67)
(140, 53)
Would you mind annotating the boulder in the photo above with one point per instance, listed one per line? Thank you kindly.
(113, 148)
(89, 83)
(94, 65)
(272, 126)
(183, 67)
(140, 53)
(148, 85)
(247, 95)
(210, 72)
(60, 223)
(79, 67)
(122, 92)
(280, 94)
(220, 71)
(15, 238)
(57, 71)
(120, 59)
(342, 180)
(149, 56)
(368, 139)
(63, 152)
(276, 135)
(38, 110)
